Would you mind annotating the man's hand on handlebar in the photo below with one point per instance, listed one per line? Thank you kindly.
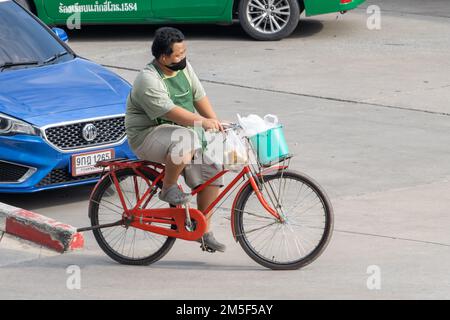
(212, 124)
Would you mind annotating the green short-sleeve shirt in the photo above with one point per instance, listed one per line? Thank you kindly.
(149, 99)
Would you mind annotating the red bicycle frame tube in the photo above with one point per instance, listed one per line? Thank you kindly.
(139, 213)
(245, 171)
(142, 165)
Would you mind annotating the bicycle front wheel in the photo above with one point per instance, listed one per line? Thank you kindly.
(295, 242)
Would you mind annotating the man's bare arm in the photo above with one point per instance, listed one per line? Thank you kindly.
(186, 118)
(205, 108)
(183, 117)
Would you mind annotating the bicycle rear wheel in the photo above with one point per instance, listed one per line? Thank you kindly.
(299, 240)
(127, 245)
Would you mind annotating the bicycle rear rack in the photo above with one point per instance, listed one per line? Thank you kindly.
(121, 163)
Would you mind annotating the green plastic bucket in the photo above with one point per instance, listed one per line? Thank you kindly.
(270, 145)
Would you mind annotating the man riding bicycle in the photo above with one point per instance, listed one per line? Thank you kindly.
(167, 100)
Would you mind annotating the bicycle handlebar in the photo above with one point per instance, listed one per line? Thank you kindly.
(230, 126)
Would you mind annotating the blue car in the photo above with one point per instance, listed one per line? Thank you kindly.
(59, 113)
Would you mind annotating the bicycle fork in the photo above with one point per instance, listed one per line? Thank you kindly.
(278, 215)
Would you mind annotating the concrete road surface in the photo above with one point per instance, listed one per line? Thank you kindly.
(367, 113)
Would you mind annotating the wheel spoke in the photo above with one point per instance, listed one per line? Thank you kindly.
(103, 205)
(291, 209)
(277, 3)
(259, 4)
(110, 232)
(296, 238)
(256, 229)
(280, 19)
(129, 244)
(259, 19)
(281, 13)
(117, 238)
(277, 26)
(256, 215)
(251, 5)
(265, 16)
(267, 239)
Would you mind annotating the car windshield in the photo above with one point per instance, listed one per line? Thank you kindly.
(24, 42)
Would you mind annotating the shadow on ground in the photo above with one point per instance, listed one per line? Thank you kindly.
(234, 32)
(44, 199)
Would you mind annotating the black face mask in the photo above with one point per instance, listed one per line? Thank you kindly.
(178, 66)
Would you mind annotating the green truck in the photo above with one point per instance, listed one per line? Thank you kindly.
(261, 19)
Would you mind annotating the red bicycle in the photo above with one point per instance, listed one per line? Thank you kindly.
(282, 218)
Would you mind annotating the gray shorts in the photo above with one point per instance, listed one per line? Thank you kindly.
(160, 142)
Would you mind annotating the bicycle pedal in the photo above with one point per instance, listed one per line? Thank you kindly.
(207, 249)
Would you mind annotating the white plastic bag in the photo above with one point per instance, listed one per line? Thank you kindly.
(271, 121)
(235, 151)
(254, 124)
(226, 150)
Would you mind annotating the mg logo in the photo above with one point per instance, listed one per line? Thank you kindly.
(89, 132)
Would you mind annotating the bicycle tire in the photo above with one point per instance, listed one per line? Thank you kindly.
(264, 261)
(104, 245)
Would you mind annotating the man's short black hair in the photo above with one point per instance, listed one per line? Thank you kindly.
(164, 39)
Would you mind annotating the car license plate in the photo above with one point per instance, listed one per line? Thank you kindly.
(83, 164)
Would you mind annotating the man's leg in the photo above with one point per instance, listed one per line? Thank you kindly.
(174, 146)
(195, 175)
(205, 198)
(170, 191)
(173, 170)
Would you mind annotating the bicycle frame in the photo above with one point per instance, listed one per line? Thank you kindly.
(146, 219)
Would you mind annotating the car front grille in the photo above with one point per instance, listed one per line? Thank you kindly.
(10, 172)
(70, 136)
(58, 176)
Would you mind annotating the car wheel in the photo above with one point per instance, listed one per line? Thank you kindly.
(269, 19)
(24, 4)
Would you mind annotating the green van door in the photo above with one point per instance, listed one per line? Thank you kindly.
(189, 10)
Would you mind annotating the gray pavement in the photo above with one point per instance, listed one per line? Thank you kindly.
(434, 8)
(367, 115)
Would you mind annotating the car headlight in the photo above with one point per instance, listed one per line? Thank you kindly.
(11, 126)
